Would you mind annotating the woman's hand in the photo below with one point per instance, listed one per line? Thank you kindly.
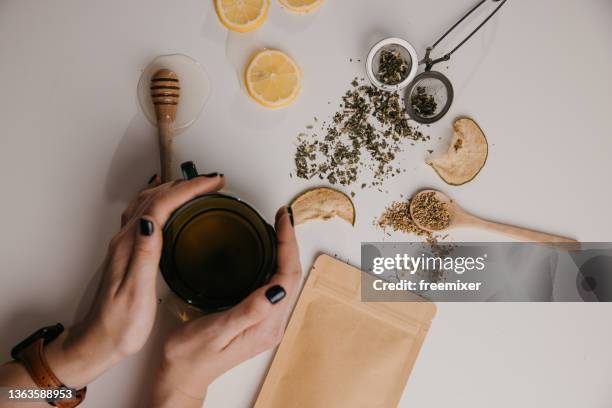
(201, 350)
(123, 312)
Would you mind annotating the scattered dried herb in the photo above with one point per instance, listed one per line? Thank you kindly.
(368, 130)
(430, 212)
(423, 104)
(392, 68)
(397, 217)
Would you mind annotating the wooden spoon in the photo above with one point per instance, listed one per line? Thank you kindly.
(165, 93)
(461, 218)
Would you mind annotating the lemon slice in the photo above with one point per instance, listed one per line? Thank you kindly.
(242, 15)
(301, 6)
(273, 79)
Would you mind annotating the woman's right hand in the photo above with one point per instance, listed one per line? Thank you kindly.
(123, 311)
(201, 350)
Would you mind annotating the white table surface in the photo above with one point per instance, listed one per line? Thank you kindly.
(74, 147)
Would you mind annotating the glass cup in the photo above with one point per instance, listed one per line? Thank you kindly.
(217, 250)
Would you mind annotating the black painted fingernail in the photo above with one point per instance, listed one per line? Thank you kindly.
(146, 227)
(215, 174)
(152, 178)
(290, 212)
(275, 294)
(189, 170)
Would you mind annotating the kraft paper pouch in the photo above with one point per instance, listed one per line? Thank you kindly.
(340, 352)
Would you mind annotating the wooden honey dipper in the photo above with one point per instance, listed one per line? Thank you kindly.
(165, 93)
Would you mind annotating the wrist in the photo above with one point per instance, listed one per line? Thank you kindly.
(169, 390)
(78, 358)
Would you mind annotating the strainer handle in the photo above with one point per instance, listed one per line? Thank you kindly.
(429, 63)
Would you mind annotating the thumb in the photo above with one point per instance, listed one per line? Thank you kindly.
(252, 310)
(146, 252)
(288, 261)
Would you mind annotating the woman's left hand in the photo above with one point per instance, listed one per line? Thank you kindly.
(123, 312)
(199, 351)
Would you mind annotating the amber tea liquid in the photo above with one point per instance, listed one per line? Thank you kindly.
(217, 250)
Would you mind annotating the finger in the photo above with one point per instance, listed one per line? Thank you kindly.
(288, 259)
(122, 244)
(143, 201)
(287, 276)
(117, 259)
(289, 269)
(252, 310)
(169, 199)
(262, 335)
(144, 198)
(146, 252)
(153, 182)
(127, 213)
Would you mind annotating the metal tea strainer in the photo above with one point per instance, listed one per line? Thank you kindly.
(429, 95)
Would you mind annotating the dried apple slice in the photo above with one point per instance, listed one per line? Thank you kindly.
(466, 155)
(322, 204)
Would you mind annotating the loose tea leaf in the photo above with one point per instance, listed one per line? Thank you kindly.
(423, 104)
(393, 68)
(397, 217)
(368, 131)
